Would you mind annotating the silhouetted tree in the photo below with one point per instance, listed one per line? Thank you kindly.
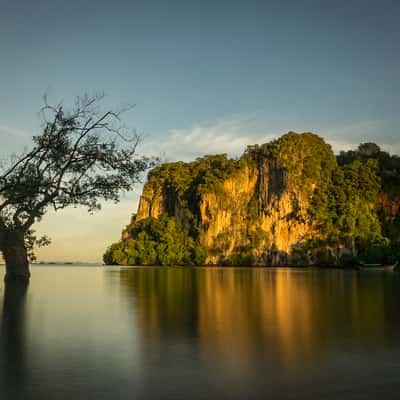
(82, 156)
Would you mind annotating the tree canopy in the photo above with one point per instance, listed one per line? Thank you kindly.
(83, 155)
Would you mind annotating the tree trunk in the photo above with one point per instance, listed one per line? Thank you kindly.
(16, 257)
(13, 342)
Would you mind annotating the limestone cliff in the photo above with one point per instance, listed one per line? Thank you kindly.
(253, 210)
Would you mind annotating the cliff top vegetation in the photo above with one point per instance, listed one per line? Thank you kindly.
(352, 204)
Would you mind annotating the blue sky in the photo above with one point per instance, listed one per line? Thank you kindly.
(209, 76)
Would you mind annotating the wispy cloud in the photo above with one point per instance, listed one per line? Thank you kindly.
(341, 145)
(348, 137)
(230, 135)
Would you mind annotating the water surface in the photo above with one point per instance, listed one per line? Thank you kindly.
(200, 333)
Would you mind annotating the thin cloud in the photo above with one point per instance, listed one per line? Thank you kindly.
(339, 146)
(229, 136)
(360, 132)
(232, 136)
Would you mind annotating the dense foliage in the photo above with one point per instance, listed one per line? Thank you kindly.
(353, 204)
(162, 241)
(383, 199)
(343, 207)
(306, 157)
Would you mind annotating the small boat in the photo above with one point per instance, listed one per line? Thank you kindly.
(376, 267)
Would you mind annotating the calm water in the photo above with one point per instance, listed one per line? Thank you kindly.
(201, 333)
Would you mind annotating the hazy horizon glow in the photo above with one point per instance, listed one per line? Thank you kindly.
(206, 77)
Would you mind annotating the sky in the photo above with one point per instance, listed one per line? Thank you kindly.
(205, 77)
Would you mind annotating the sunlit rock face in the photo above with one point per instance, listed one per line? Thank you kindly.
(253, 210)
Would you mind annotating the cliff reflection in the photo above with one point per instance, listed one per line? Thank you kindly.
(166, 299)
(240, 315)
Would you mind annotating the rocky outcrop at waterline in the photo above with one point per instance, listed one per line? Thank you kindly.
(284, 202)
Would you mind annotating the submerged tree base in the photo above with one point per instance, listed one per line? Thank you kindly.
(16, 257)
(12, 277)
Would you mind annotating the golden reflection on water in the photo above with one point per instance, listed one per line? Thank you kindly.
(199, 333)
(242, 314)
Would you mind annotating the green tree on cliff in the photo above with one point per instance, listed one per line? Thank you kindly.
(78, 159)
(162, 241)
